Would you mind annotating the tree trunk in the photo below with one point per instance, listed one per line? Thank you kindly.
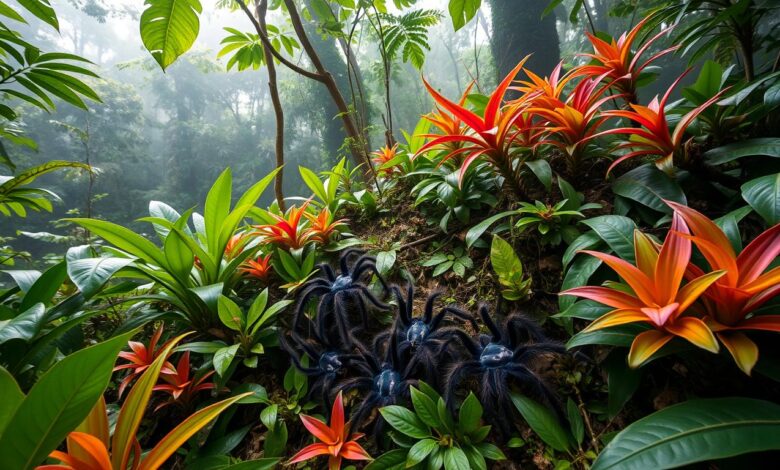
(519, 30)
(261, 9)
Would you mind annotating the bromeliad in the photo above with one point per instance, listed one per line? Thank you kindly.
(382, 157)
(335, 440)
(731, 302)
(573, 123)
(287, 232)
(654, 137)
(141, 357)
(322, 227)
(618, 63)
(181, 386)
(259, 268)
(492, 135)
(656, 297)
(449, 124)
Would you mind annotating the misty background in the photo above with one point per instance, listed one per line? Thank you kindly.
(167, 135)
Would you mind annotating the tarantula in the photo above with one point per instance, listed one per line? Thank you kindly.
(503, 356)
(338, 292)
(423, 337)
(383, 378)
(331, 360)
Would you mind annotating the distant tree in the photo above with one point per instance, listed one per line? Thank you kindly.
(519, 30)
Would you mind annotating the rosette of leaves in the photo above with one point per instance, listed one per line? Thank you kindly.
(440, 189)
(457, 261)
(430, 437)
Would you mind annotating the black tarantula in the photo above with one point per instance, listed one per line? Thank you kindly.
(503, 356)
(384, 379)
(424, 337)
(328, 360)
(339, 292)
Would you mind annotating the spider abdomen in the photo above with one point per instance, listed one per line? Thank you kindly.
(417, 332)
(387, 382)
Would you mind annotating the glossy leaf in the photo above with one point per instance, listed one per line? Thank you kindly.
(543, 422)
(169, 28)
(57, 403)
(763, 195)
(90, 274)
(765, 146)
(694, 431)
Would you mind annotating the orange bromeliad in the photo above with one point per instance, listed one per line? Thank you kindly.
(449, 124)
(657, 297)
(616, 61)
(259, 268)
(336, 440)
(287, 232)
(731, 301)
(492, 135)
(654, 137)
(323, 227)
(384, 155)
(573, 123)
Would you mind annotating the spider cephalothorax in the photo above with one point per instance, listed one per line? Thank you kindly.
(424, 337)
(383, 379)
(340, 294)
(502, 358)
(328, 359)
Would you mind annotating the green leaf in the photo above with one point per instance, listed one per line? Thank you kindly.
(618, 336)
(476, 231)
(169, 28)
(12, 397)
(649, 186)
(617, 231)
(455, 459)
(90, 274)
(425, 408)
(23, 326)
(543, 422)
(543, 172)
(504, 259)
(392, 460)
(694, 431)
(314, 183)
(420, 451)
(575, 421)
(217, 209)
(462, 11)
(230, 314)
(577, 275)
(622, 381)
(257, 308)
(470, 414)
(766, 146)
(57, 403)
(224, 357)
(45, 287)
(42, 10)
(125, 240)
(405, 421)
(763, 195)
(385, 261)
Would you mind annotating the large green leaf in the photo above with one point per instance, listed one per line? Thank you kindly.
(763, 195)
(125, 240)
(45, 287)
(766, 146)
(90, 274)
(462, 11)
(405, 421)
(169, 28)
(504, 259)
(42, 10)
(617, 231)
(476, 231)
(543, 422)
(12, 397)
(217, 209)
(60, 400)
(694, 431)
(649, 186)
(23, 326)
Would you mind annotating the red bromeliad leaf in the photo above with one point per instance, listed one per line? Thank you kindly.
(336, 441)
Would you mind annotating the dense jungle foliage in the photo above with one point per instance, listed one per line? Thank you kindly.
(389, 234)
